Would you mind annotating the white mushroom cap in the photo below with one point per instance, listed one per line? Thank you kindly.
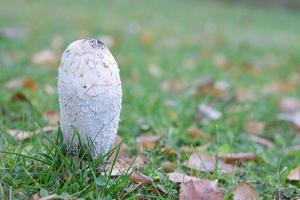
(90, 94)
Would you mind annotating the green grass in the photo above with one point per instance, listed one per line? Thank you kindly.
(176, 31)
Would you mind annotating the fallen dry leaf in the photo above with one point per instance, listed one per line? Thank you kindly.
(254, 127)
(176, 177)
(221, 61)
(278, 88)
(48, 197)
(206, 163)
(206, 114)
(169, 151)
(51, 116)
(207, 86)
(45, 57)
(262, 141)
(289, 105)
(20, 135)
(294, 174)
(293, 118)
(19, 96)
(168, 166)
(200, 190)
(36, 196)
(245, 192)
(293, 149)
(148, 141)
(26, 82)
(175, 86)
(237, 157)
(143, 180)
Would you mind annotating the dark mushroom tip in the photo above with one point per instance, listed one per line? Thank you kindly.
(96, 43)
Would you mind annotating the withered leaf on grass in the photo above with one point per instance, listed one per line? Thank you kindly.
(289, 105)
(22, 135)
(175, 86)
(237, 157)
(254, 127)
(206, 163)
(294, 174)
(207, 86)
(176, 177)
(148, 141)
(206, 114)
(19, 96)
(293, 118)
(200, 190)
(245, 192)
(278, 88)
(168, 166)
(45, 57)
(26, 82)
(262, 141)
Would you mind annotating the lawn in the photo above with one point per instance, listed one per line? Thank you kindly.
(241, 60)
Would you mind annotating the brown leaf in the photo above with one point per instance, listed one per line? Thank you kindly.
(245, 192)
(237, 157)
(254, 127)
(293, 118)
(289, 105)
(176, 177)
(205, 163)
(207, 86)
(169, 151)
(19, 96)
(26, 82)
(278, 88)
(30, 84)
(20, 135)
(200, 190)
(45, 57)
(294, 174)
(137, 177)
(148, 141)
(144, 180)
(51, 116)
(261, 141)
(175, 86)
(168, 166)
